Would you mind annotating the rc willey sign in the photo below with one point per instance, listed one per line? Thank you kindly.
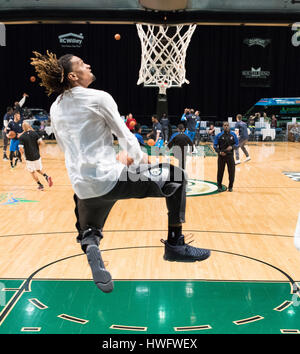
(71, 40)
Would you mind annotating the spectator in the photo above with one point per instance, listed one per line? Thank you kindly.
(273, 122)
(128, 122)
(266, 118)
(211, 133)
(295, 131)
(251, 125)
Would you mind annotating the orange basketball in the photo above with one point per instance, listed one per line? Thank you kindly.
(151, 142)
(132, 124)
(32, 78)
(11, 134)
(117, 37)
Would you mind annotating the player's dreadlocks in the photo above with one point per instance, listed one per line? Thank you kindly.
(52, 71)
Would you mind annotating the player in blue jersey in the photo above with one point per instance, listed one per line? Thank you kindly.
(6, 119)
(180, 142)
(157, 132)
(164, 122)
(15, 126)
(191, 124)
(138, 134)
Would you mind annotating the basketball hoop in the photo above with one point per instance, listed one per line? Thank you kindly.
(163, 54)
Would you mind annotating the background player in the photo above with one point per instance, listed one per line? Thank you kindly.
(14, 130)
(179, 142)
(7, 117)
(164, 122)
(29, 145)
(191, 124)
(138, 134)
(224, 144)
(243, 139)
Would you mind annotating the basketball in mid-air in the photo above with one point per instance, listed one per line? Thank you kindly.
(117, 37)
(151, 142)
(132, 124)
(32, 78)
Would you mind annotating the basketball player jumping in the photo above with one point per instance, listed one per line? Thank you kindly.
(83, 120)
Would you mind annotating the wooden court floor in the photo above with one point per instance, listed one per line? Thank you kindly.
(250, 231)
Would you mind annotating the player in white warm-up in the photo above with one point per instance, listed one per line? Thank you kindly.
(84, 121)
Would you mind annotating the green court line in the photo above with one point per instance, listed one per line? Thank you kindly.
(160, 306)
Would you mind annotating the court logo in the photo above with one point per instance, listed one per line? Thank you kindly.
(71, 40)
(2, 295)
(155, 171)
(8, 199)
(256, 73)
(197, 187)
(257, 41)
(296, 36)
(295, 176)
(2, 35)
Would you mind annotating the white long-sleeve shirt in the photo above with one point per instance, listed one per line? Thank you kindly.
(83, 121)
(22, 101)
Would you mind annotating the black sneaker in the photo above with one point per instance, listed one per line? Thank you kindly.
(183, 252)
(101, 276)
(5, 158)
(229, 189)
(220, 189)
(40, 187)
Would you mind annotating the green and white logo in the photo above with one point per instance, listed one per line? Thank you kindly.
(8, 199)
(197, 187)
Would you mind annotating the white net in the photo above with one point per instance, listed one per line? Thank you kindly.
(163, 54)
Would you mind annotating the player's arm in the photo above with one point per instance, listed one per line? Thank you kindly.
(157, 135)
(41, 142)
(5, 123)
(8, 129)
(109, 111)
(22, 101)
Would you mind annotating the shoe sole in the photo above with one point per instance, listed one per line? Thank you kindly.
(101, 276)
(184, 260)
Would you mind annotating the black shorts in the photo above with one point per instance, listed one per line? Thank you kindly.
(162, 180)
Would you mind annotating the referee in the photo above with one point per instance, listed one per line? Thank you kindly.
(224, 144)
